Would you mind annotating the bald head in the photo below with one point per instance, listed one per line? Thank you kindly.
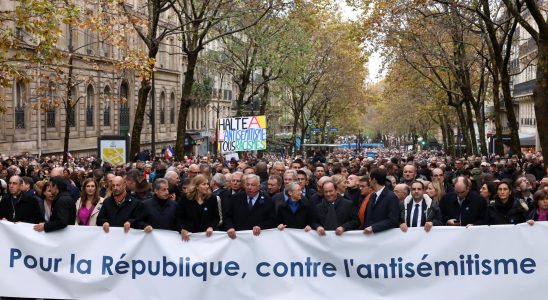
(57, 172)
(401, 190)
(118, 186)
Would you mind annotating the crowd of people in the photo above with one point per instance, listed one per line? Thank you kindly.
(337, 192)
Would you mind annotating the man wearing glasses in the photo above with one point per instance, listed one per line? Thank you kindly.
(18, 207)
(437, 175)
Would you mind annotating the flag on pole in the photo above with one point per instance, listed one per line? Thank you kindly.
(169, 152)
(69, 156)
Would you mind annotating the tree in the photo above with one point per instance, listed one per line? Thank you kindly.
(202, 22)
(148, 28)
(537, 27)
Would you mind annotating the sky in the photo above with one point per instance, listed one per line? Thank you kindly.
(375, 60)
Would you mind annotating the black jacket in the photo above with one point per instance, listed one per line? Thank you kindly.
(472, 210)
(240, 217)
(354, 195)
(63, 212)
(347, 214)
(116, 215)
(160, 214)
(303, 216)
(316, 199)
(533, 214)
(27, 209)
(384, 213)
(511, 212)
(194, 217)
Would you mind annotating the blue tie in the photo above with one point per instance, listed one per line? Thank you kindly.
(250, 203)
(415, 216)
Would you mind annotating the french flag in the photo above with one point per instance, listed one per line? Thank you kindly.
(69, 156)
(169, 152)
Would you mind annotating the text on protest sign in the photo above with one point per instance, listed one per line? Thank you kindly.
(242, 134)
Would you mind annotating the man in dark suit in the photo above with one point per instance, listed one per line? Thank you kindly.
(252, 210)
(383, 209)
(463, 207)
(335, 212)
(418, 210)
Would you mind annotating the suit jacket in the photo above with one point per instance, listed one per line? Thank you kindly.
(384, 212)
(430, 211)
(347, 214)
(240, 217)
(472, 210)
(354, 195)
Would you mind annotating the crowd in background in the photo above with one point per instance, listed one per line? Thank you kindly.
(340, 191)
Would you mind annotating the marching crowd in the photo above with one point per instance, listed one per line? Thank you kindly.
(339, 192)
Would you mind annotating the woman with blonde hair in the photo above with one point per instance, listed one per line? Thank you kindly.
(339, 179)
(198, 210)
(435, 190)
(89, 204)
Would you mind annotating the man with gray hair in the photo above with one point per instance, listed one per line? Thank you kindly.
(249, 210)
(72, 189)
(172, 177)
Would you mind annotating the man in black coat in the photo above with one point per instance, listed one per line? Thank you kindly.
(157, 212)
(63, 210)
(463, 207)
(252, 210)
(418, 210)
(383, 209)
(296, 212)
(118, 210)
(335, 212)
(352, 192)
(17, 206)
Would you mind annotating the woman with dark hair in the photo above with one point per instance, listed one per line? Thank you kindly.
(488, 191)
(89, 204)
(540, 207)
(505, 209)
(197, 211)
(47, 197)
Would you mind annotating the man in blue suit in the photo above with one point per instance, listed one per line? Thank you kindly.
(383, 210)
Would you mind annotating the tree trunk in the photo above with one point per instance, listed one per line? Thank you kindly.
(515, 145)
(540, 93)
(499, 149)
(68, 105)
(192, 58)
(138, 120)
(479, 114)
(471, 128)
(463, 125)
(242, 88)
(450, 136)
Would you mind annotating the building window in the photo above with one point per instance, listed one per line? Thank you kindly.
(88, 41)
(19, 105)
(89, 106)
(106, 107)
(172, 109)
(50, 116)
(162, 108)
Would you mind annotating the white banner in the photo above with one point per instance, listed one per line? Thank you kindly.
(498, 262)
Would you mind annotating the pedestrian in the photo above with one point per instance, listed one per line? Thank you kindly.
(63, 211)
(297, 212)
(89, 204)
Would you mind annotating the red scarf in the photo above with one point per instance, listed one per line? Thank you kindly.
(118, 199)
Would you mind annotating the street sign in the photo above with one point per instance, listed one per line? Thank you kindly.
(333, 129)
(316, 129)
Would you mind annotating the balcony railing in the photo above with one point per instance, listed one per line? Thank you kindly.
(527, 47)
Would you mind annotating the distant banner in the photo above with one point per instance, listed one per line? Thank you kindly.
(498, 262)
(242, 134)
